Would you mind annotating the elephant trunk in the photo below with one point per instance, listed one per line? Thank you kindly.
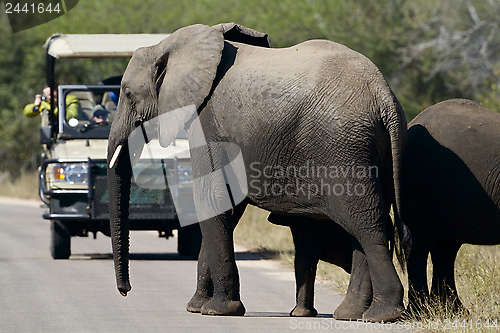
(119, 179)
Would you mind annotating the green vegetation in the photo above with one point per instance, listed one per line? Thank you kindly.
(428, 50)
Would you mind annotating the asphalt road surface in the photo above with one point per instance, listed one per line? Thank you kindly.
(39, 294)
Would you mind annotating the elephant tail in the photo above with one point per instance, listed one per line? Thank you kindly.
(395, 122)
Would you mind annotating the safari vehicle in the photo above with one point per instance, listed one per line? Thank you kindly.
(73, 174)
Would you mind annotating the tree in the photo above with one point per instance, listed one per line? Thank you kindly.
(459, 47)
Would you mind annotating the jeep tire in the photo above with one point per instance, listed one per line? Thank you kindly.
(189, 241)
(60, 240)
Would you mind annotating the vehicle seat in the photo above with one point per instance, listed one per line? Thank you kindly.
(109, 105)
(87, 103)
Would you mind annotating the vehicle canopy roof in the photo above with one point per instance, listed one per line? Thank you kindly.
(98, 45)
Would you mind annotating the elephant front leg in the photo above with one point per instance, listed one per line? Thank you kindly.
(443, 257)
(359, 293)
(218, 244)
(418, 293)
(204, 286)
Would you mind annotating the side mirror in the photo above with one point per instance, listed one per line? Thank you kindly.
(45, 134)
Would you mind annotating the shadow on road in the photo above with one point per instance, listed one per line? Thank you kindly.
(282, 314)
(245, 255)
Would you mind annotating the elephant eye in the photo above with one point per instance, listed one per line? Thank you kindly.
(126, 91)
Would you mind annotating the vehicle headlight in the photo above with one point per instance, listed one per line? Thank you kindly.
(184, 172)
(71, 173)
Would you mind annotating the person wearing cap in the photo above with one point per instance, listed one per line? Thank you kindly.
(42, 103)
(100, 114)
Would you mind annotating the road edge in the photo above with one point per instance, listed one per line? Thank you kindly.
(20, 202)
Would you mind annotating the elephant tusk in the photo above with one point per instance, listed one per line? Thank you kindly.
(115, 156)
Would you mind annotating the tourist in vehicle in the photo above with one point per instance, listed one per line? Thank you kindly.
(42, 103)
(100, 114)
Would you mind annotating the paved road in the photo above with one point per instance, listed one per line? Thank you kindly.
(38, 294)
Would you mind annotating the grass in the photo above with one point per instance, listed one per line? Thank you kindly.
(477, 268)
(477, 276)
(23, 186)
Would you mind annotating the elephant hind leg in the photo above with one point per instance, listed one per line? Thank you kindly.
(359, 292)
(443, 257)
(306, 262)
(305, 274)
(368, 226)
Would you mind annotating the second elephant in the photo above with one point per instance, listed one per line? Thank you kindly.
(450, 196)
(450, 191)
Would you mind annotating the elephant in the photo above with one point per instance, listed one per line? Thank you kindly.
(315, 131)
(449, 192)
(323, 240)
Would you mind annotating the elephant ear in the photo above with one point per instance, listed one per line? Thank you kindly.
(237, 33)
(186, 65)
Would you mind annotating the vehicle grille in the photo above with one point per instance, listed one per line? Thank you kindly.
(145, 204)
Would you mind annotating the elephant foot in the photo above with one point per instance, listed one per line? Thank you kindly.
(303, 311)
(383, 311)
(197, 302)
(349, 310)
(217, 307)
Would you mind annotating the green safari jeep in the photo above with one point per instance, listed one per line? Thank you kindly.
(73, 177)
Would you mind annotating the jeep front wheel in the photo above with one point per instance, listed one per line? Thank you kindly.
(60, 240)
(189, 241)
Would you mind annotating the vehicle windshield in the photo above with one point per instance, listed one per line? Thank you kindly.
(88, 111)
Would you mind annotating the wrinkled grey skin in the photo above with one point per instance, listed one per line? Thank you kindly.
(317, 101)
(450, 192)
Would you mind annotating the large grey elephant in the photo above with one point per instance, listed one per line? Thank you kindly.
(450, 192)
(319, 131)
